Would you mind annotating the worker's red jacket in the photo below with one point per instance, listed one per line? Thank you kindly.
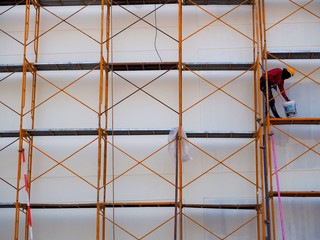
(275, 77)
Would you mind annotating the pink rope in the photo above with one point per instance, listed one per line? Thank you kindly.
(278, 186)
(27, 193)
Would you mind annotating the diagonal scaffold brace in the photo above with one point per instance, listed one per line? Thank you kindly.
(27, 192)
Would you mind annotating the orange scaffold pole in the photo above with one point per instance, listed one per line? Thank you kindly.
(23, 96)
(180, 118)
(27, 195)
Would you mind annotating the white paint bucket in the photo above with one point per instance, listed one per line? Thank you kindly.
(290, 108)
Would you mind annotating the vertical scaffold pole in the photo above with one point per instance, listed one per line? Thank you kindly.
(27, 198)
(176, 189)
(266, 119)
(267, 122)
(180, 117)
(21, 135)
(106, 104)
(256, 114)
(101, 84)
(266, 188)
(33, 105)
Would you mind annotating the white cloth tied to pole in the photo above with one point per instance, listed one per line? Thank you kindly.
(185, 156)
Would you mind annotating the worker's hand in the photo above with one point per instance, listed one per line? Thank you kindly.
(287, 99)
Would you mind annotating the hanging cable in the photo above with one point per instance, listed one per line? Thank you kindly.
(156, 27)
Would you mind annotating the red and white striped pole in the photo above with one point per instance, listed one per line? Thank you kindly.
(27, 193)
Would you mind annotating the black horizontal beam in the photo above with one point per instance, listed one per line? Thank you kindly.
(218, 66)
(7, 205)
(295, 194)
(123, 132)
(224, 206)
(294, 55)
(156, 66)
(130, 205)
(48, 3)
(295, 121)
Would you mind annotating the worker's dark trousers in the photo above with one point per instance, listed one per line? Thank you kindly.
(272, 102)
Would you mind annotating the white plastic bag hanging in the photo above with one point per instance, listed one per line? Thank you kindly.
(185, 156)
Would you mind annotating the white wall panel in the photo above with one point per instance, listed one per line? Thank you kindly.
(219, 112)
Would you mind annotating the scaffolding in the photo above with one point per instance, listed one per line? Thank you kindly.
(282, 125)
(103, 135)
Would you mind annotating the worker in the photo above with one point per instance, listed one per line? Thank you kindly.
(276, 78)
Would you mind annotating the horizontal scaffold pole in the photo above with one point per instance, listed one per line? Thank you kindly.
(130, 205)
(123, 132)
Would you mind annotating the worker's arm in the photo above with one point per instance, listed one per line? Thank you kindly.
(281, 88)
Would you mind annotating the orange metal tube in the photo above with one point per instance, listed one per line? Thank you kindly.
(106, 113)
(62, 165)
(108, 32)
(257, 115)
(218, 89)
(33, 100)
(62, 90)
(201, 226)
(8, 9)
(9, 108)
(23, 96)
(31, 144)
(180, 119)
(289, 15)
(138, 163)
(114, 224)
(240, 227)
(296, 158)
(264, 101)
(218, 18)
(101, 85)
(260, 53)
(218, 163)
(305, 76)
(221, 162)
(168, 220)
(267, 128)
(61, 21)
(78, 29)
(312, 13)
(296, 140)
(129, 169)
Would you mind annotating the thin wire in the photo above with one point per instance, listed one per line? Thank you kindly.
(156, 27)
